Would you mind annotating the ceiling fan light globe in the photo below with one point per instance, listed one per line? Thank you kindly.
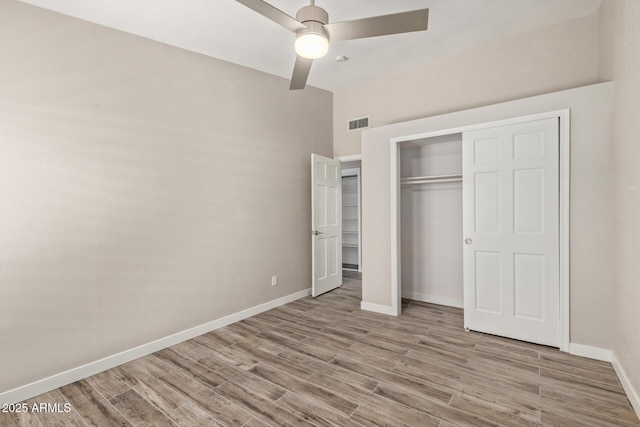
(312, 45)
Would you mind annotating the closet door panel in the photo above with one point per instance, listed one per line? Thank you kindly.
(528, 190)
(529, 286)
(488, 289)
(487, 202)
(510, 227)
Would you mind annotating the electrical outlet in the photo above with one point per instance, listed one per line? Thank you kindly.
(274, 280)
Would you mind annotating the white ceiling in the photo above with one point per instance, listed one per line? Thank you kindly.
(230, 31)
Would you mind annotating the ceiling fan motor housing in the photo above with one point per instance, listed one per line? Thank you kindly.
(314, 18)
(312, 13)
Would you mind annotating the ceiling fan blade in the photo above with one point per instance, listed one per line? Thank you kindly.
(300, 73)
(276, 15)
(403, 22)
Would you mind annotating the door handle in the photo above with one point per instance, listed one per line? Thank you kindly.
(468, 241)
(316, 233)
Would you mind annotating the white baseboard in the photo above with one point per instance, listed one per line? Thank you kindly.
(55, 381)
(451, 302)
(632, 393)
(378, 308)
(590, 352)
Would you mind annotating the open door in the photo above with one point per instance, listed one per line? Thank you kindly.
(326, 224)
(511, 230)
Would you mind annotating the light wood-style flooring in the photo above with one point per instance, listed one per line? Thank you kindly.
(325, 362)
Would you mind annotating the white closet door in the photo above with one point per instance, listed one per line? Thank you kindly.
(326, 224)
(510, 226)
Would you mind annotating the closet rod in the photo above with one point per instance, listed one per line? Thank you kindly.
(430, 181)
(434, 179)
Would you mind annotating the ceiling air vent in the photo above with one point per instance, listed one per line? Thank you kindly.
(360, 123)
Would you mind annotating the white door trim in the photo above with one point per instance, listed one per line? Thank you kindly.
(564, 173)
(349, 158)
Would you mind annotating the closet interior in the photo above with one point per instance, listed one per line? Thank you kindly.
(351, 255)
(431, 220)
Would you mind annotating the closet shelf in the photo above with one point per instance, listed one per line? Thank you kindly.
(349, 245)
(349, 232)
(430, 179)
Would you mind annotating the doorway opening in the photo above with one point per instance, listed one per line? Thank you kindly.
(431, 220)
(351, 219)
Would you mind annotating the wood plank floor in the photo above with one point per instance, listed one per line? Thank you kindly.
(324, 362)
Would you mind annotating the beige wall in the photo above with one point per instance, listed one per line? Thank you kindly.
(620, 60)
(591, 219)
(145, 190)
(560, 57)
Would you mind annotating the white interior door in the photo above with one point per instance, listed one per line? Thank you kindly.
(326, 224)
(511, 231)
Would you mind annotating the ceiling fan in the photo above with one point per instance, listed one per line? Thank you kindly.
(313, 31)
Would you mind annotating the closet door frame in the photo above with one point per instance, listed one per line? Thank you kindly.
(564, 117)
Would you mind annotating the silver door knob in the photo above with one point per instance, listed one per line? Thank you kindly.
(316, 232)
(468, 241)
